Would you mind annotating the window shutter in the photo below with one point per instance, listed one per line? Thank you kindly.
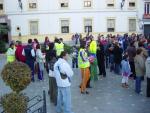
(34, 27)
(132, 25)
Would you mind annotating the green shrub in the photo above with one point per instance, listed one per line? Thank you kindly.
(14, 103)
(17, 75)
(2, 46)
(68, 48)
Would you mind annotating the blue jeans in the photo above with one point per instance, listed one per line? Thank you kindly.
(64, 99)
(138, 84)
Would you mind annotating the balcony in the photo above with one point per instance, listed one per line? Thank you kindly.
(146, 16)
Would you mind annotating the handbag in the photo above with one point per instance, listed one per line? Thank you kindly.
(63, 76)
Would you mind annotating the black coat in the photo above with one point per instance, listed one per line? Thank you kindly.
(100, 54)
(117, 54)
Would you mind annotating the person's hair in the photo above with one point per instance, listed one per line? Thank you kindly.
(138, 51)
(125, 57)
(46, 38)
(35, 40)
(132, 43)
(51, 46)
(140, 44)
(82, 45)
(19, 43)
(63, 53)
(29, 41)
(38, 46)
(11, 44)
(61, 39)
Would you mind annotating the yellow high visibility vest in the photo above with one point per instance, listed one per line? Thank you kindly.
(59, 48)
(10, 58)
(81, 63)
(93, 47)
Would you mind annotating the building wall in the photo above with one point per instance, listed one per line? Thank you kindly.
(49, 13)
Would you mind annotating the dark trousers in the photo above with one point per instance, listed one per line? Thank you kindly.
(132, 66)
(107, 61)
(117, 68)
(111, 59)
(53, 90)
(31, 65)
(74, 63)
(138, 85)
(101, 66)
(148, 87)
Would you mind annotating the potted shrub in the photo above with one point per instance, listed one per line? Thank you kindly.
(17, 75)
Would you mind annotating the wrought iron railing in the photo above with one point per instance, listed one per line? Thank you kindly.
(36, 104)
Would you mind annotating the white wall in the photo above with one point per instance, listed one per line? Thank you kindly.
(49, 14)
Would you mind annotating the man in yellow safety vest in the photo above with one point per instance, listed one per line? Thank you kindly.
(11, 53)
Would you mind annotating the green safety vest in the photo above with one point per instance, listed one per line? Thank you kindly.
(81, 63)
(59, 48)
(10, 58)
(93, 47)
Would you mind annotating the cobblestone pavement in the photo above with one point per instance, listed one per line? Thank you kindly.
(106, 95)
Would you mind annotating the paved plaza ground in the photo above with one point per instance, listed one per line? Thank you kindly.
(106, 96)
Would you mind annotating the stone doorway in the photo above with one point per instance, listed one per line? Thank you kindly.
(5, 23)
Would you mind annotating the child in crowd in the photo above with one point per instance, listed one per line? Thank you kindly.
(126, 71)
(75, 57)
(40, 58)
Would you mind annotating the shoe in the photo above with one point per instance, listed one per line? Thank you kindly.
(82, 92)
(87, 92)
(88, 87)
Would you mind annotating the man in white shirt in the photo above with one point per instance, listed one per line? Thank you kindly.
(63, 83)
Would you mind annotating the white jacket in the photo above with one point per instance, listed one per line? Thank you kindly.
(64, 68)
(39, 56)
(147, 65)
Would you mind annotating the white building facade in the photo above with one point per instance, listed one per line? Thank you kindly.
(62, 18)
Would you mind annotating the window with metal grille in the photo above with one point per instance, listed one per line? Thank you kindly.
(87, 25)
(64, 26)
(132, 25)
(32, 4)
(34, 27)
(1, 6)
(110, 3)
(110, 25)
(87, 3)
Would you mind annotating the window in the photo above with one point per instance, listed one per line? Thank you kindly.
(110, 25)
(1, 6)
(64, 3)
(87, 3)
(132, 25)
(110, 3)
(64, 26)
(32, 4)
(147, 8)
(131, 3)
(33, 27)
(87, 25)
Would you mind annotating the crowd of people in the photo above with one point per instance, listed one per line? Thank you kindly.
(125, 55)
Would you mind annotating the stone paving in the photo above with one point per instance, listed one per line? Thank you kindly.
(106, 95)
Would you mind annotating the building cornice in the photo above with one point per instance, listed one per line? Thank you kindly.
(72, 11)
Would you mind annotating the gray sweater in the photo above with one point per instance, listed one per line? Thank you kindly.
(147, 65)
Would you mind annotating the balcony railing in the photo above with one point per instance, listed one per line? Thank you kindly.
(146, 16)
